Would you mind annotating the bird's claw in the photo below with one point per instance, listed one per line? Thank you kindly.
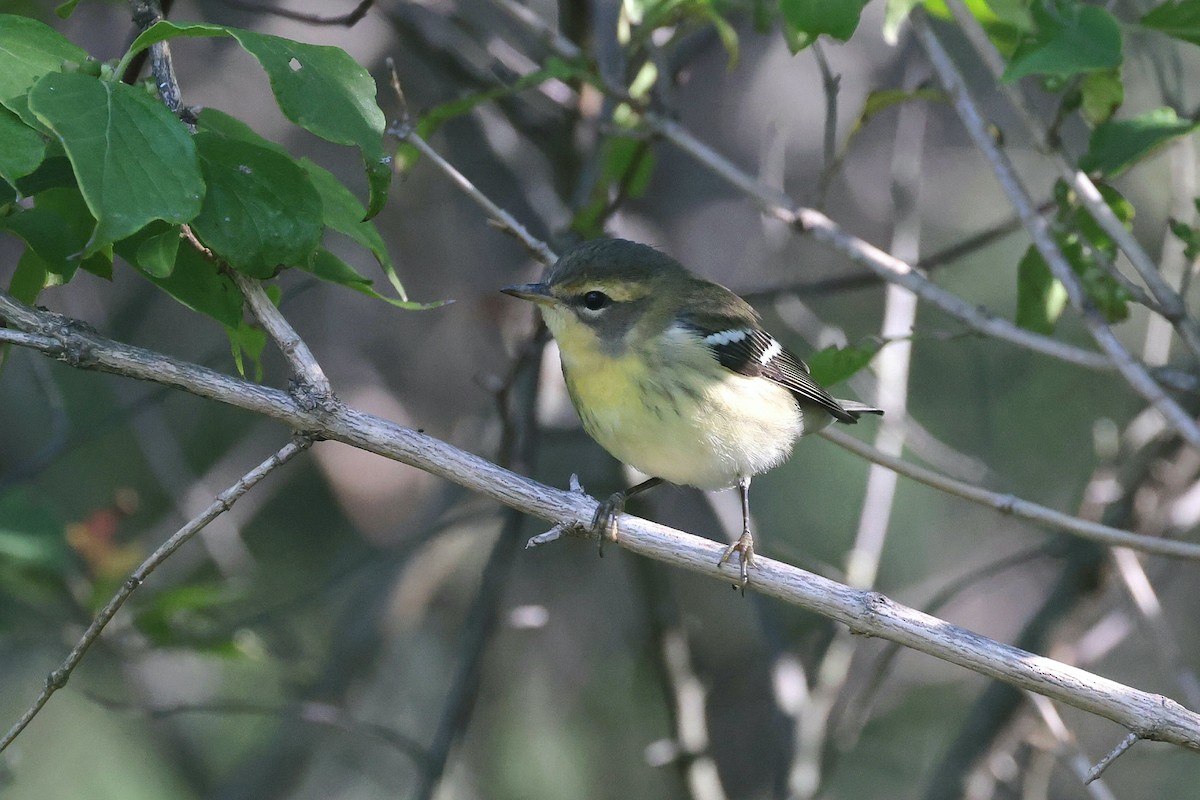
(744, 547)
(604, 521)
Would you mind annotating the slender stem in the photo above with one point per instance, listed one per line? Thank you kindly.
(224, 501)
(1134, 372)
(1018, 507)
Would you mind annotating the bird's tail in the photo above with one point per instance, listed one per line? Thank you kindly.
(856, 409)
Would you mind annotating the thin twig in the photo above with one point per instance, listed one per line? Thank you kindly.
(309, 712)
(314, 386)
(405, 132)
(830, 85)
(348, 20)
(1069, 748)
(1133, 371)
(145, 14)
(311, 380)
(1129, 741)
(1018, 507)
(223, 502)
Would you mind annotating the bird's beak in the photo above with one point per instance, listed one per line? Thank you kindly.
(535, 292)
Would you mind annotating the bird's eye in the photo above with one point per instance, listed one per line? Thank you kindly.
(594, 301)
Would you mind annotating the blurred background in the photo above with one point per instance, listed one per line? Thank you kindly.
(355, 628)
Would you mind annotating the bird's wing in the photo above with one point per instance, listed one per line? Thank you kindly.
(750, 350)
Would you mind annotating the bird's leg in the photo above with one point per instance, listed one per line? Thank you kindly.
(604, 522)
(744, 546)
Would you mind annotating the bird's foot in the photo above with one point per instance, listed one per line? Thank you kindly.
(744, 547)
(604, 521)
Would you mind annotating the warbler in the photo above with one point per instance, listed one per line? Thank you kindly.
(675, 376)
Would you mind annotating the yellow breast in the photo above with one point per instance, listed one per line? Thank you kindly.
(677, 415)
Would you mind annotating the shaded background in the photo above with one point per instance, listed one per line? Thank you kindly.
(317, 641)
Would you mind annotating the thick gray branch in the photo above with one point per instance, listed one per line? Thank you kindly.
(1147, 715)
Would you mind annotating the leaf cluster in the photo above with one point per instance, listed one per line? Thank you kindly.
(92, 168)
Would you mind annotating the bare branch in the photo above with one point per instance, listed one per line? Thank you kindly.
(830, 85)
(224, 501)
(1039, 229)
(1018, 507)
(405, 132)
(308, 373)
(145, 14)
(1071, 752)
(1148, 715)
(1129, 741)
(309, 712)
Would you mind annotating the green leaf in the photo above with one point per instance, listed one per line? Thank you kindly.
(1040, 298)
(21, 147)
(835, 364)
(895, 12)
(69, 204)
(332, 269)
(344, 214)
(1179, 19)
(189, 616)
(805, 20)
(65, 10)
(1082, 219)
(29, 278)
(156, 254)
(341, 210)
(883, 99)
(30, 535)
(320, 88)
(1186, 234)
(42, 231)
(215, 121)
(53, 173)
(247, 340)
(134, 161)
(628, 166)
(195, 282)
(1118, 144)
(29, 50)
(56, 229)
(1102, 94)
(261, 212)
(1071, 39)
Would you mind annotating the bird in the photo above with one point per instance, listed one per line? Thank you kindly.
(675, 376)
